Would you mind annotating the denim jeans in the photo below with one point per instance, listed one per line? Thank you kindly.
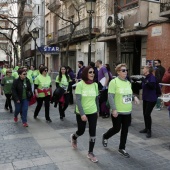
(22, 107)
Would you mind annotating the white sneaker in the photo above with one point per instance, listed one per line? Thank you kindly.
(73, 142)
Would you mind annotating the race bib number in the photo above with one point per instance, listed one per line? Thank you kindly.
(127, 99)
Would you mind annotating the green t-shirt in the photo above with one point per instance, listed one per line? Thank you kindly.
(123, 94)
(63, 83)
(88, 93)
(16, 68)
(29, 72)
(30, 78)
(43, 83)
(3, 71)
(7, 84)
(15, 74)
(24, 95)
(35, 73)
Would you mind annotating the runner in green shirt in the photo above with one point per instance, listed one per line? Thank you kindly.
(6, 86)
(43, 91)
(87, 107)
(120, 100)
(63, 80)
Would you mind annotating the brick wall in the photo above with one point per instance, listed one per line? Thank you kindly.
(158, 44)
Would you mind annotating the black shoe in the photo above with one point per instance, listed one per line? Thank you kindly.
(104, 141)
(61, 118)
(105, 116)
(35, 117)
(11, 111)
(63, 114)
(143, 131)
(6, 108)
(49, 120)
(149, 134)
(124, 153)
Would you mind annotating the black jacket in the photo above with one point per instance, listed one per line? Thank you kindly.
(159, 73)
(17, 89)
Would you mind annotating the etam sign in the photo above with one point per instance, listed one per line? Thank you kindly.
(50, 50)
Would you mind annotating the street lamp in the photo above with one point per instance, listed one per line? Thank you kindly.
(90, 8)
(35, 35)
(15, 51)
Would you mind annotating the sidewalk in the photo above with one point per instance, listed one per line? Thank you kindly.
(44, 146)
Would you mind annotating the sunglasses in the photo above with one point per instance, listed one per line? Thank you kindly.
(124, 70)
(24, 74)
(9, 72)
(90, 72)
(46, 70)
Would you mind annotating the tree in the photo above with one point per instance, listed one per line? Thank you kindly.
(76, 6)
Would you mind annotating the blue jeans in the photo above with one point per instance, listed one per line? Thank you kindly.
(22, 107)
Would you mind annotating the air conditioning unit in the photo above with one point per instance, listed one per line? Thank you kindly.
(110, 24)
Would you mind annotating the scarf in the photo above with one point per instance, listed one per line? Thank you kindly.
(89, 81)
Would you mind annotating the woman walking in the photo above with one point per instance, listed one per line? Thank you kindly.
(120, 100)
(6, 88)
(21, 93)
(72, 77)
(149, 97)
(87, 108)
(42, 85)
(63, 81)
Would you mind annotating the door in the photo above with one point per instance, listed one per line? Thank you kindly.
(127, 57)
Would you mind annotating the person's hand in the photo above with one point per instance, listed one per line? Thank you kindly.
(114, 113)
(36, 94)
(84, 118)
(136, 100)
(104, 88)
(2, 93)
(18, 101)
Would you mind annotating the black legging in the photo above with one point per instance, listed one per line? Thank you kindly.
(63, 108)
(39, 105)
(8, 101)
(147, 109)
(120, 122)
(81, 125)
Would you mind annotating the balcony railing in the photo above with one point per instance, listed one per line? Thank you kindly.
(165, 8)
(81, 30)
(52, 38)
(54, 5)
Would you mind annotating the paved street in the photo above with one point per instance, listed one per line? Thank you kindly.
(44, 146)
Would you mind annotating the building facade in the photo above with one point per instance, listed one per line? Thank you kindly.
(7, 11)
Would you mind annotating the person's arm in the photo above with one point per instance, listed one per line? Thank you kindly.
(57, 84)
(2, 86)
(97, 104)
(79, 105)
(35, 89)
(14, 92)
(111, 97)
(107, 79)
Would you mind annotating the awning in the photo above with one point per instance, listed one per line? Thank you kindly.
(127, 34)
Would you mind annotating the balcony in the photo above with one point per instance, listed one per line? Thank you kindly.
(54, 5)
(29, 53)
(52, 38)
(81, 31)
(165, 8)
